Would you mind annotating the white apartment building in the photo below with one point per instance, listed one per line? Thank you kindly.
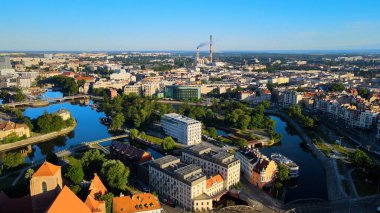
(180, 183)
(291, 97)
(186, 130)
(24, 82)
(214, 163)
(121, 75)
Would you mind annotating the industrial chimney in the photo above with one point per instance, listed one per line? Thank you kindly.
(210, 49)
(197, 56)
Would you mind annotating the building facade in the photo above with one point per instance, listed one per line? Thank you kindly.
(179, 92)
(186, 130)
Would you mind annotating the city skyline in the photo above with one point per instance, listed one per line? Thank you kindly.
(180, 26)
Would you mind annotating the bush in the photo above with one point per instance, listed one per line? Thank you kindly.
(12, 159)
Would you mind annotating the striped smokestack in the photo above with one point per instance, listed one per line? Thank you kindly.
(211, 49)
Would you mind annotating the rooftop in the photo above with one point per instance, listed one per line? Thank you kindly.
(135, 203)
(222, 158)
(179, 118)
(47, 169)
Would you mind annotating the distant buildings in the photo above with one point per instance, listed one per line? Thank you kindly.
(186, 130)
(256, 167)
(141, 203)
(64, 114)
(179, 92)
(8, 127)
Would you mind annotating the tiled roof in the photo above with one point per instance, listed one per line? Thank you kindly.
(67, 202)
(96, 187)
(47, 169)
(136, 203)
(215, 179)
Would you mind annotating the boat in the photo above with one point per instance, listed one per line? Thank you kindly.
(293, 167)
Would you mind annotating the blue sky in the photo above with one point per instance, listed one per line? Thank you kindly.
(183, 24)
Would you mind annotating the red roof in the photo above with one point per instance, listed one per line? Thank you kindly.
(47, 169)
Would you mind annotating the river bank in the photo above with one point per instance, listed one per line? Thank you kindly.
(36, 139)
(334, 192)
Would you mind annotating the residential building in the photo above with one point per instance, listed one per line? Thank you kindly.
(137, 203)
(214, 163)
(289, 98)
(137, 89)
(128, 154)
(96, 188)
(121, 75)
(186, 130)
(180, 183)
(179, 92)
(256, 167)
(9, 127)
(64, 114)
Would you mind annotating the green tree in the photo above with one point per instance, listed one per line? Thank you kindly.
(133, 134)
(360, 159)
(108, 197)
(117, 121)
(75, 173)
(243, 122)
(115, 174)
(168, 143)
(92, 162)
(75, 188)
(241, 142)
(12, 159)
(28, 174)
(213, 133)
(282, 173)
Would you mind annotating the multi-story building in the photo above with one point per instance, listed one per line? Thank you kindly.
(128, 89)
(256, 167)
(179, 92)
(288, 98)
(9, 127)
(186, 130)
(180, 183)
(214, 163)
(141, 203)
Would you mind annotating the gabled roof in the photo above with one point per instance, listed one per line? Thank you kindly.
(97, 186)
(137, 203)
(212, 180)
(67, 201)
(47, 169)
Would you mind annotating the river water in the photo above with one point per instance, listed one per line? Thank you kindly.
(310, 184)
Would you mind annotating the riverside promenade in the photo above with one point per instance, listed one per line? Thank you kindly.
(36, 139)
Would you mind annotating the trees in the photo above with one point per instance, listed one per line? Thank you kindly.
(133, 134)
(213, 133)
(68, 85)
(115, 174)
(241, 142)
(168, 143)
(243, 122)
(282, 173)
(335, 87)
(108, 197)
(92, 162)
(75, 173)
(12, 159)
(49, 123)
(360, 159)
(117, 121)
(28, 174)
(296, 112)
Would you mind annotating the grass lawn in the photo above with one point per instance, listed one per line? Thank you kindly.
(362, 187)
(152, 139)
(346, 187)
(341, 149)
(323, 147)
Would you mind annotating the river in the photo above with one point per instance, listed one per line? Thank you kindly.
(88, 128)
(312, 181)
(310, 184)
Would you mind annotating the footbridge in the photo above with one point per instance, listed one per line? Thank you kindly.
(89, 145)
(46, 101)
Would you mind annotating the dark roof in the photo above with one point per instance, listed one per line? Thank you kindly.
(131, 152)
(20, 204)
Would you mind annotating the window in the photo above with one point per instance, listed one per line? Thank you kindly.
(44, 186)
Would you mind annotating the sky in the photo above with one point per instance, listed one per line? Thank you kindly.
(128, 25)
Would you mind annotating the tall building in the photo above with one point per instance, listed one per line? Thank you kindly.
(186, 130)
(214, 163)
(180, 183)
(179, 92)
(5, 63)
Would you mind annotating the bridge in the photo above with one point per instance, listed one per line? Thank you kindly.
(88, 145)
(46, 101)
